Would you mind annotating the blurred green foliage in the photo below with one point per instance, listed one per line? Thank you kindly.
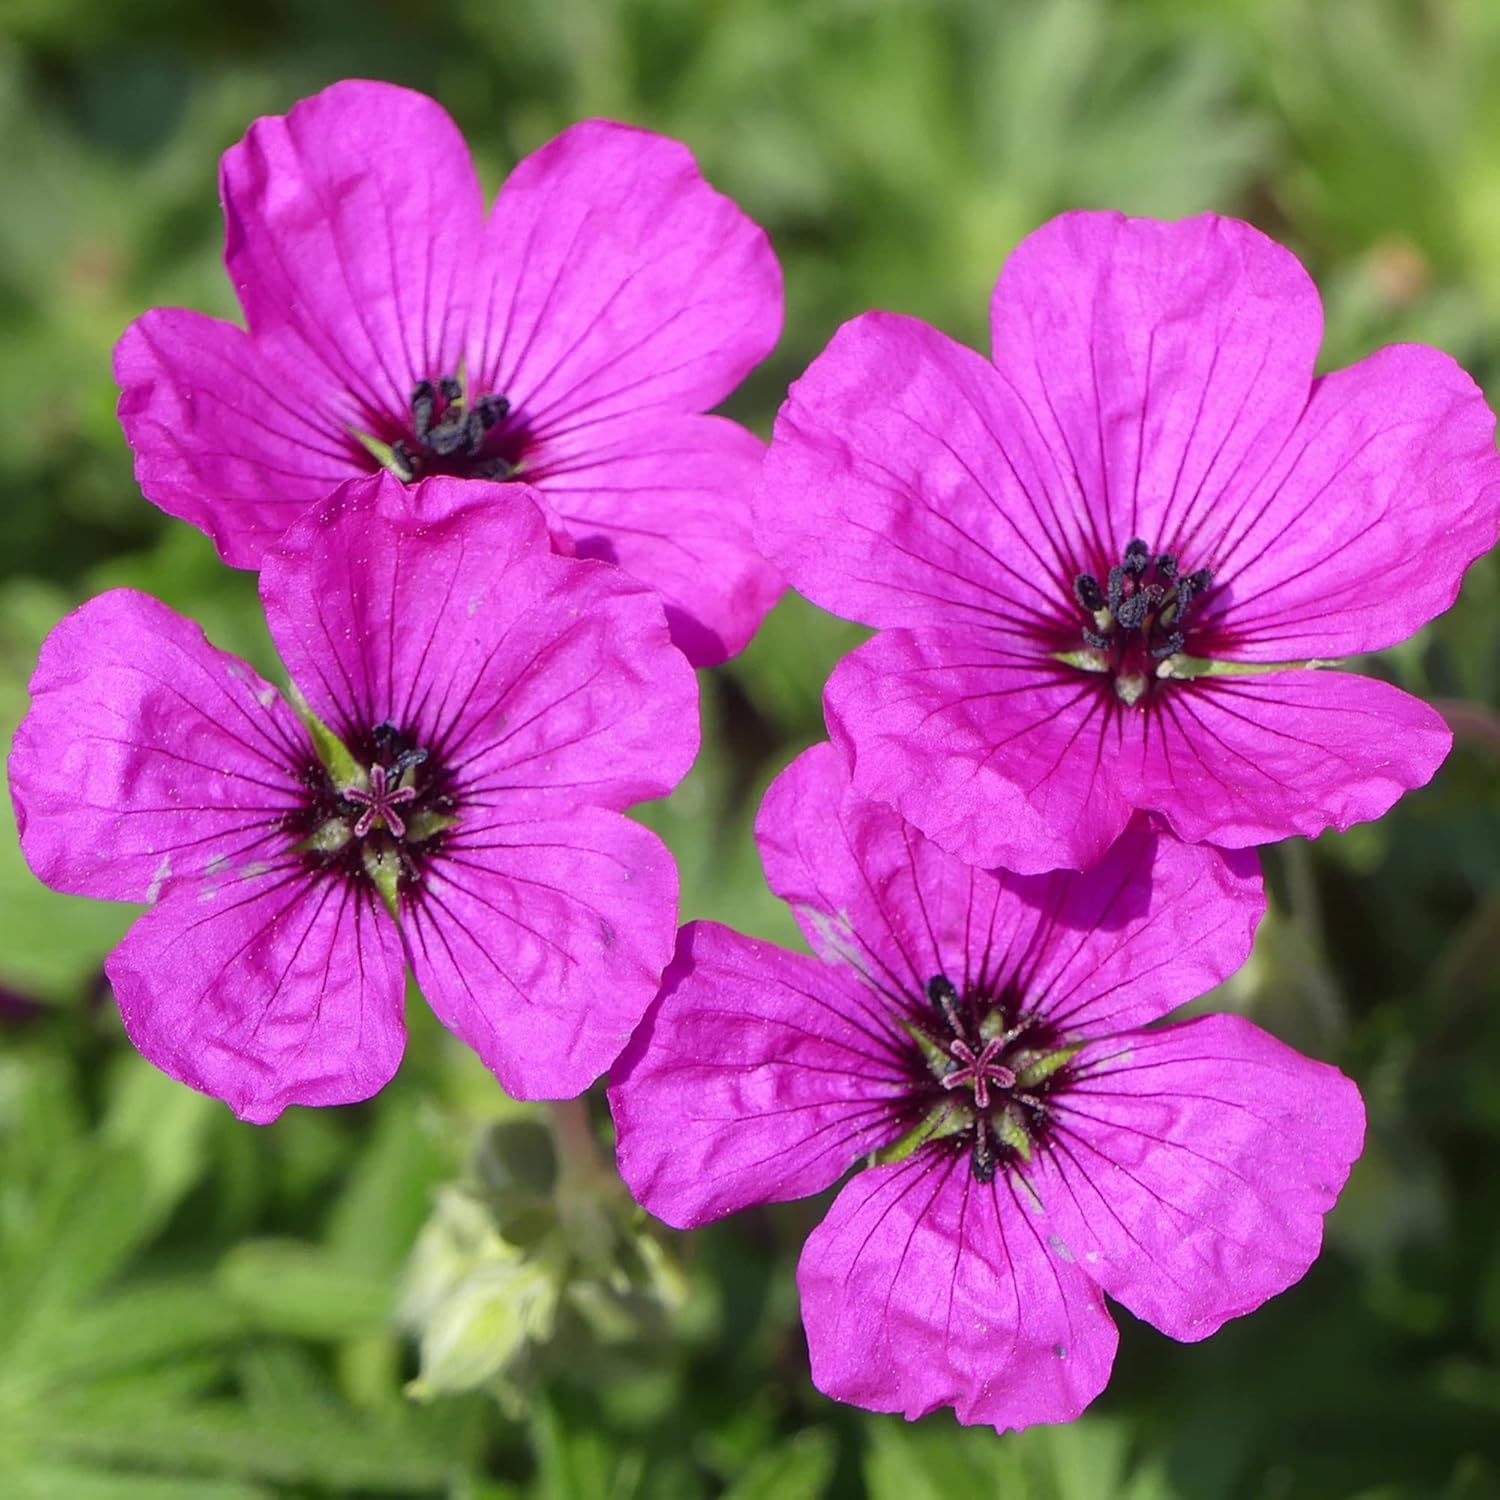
(195, 1309)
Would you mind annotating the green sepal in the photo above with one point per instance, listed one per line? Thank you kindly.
(1010, 1131)
(1203, 666)
(327, 838)
(343, 770)
(1036, 1067)
(1085, 658)
(383, 866)
(945, 1120)
(383, 454)
(424, 825)
(936, 1057)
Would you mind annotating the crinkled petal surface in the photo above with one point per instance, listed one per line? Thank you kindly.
(1000, 757)
(1153, 924)
(541, 943)
(669, 502)
(1165, 365)
(148, 754)
(907, 486)
(265, 988)
(441, 608)
(1192, 1166)
(1241, 761)
(619, 281)
(758, 1075)
(352, 224)
(924, 1288)
(1360, 533)
(230, 437)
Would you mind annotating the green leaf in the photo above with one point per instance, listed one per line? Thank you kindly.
(796, 1470)
(291, 1287)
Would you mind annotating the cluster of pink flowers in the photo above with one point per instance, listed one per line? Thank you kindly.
(1110, 571)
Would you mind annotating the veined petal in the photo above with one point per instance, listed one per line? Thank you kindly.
(541, 943)
(1165, 364)
(148, 755)
(1360, 533)
(758, 1075)
(442, 609)
(351, 229)
(906, 485)
(1151, 925)
(265, 989)
(1240, 761)
(924, 1288)
(669, 501)
(226, 436)
(617, 280)
(1000, 758)
(1192, 1167)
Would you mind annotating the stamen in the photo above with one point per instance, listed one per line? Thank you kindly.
(1137, 555)
(942, 994)
(982, 1158)
(1088, 593)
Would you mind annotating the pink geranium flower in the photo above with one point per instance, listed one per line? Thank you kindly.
(569, 337)
(477, 710)
(981, 1043)
(1105, 565)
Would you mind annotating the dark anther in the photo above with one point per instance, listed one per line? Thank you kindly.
(1088, 593)
(423, 405)
(491, 409)
(1133, 611)
(982, 1161)
(1094, 639)
(447, 438)
(405, 460)
(1116, 586)
(1166, 567)
(491, 468)
(1137, 555)
(1201, 580)
(941, 992)
(1169, 647)
(406, 760)
(451, 388)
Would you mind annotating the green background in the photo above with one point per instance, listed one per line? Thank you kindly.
(195, 1309)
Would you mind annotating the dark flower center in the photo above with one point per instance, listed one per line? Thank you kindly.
(1137, 619)
(452, 434)
(385, 826)
(988, 1073)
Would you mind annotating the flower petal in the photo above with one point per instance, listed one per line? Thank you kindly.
(441, 608)
(1361, 531)
(148, 755)
(351, 227)
(619, 281)
(758, 1075)
(1151, 925)
(226, 436)
(541, 943)
(1000, 758)
(924, 1288)
(670, 503)
(1239, 761)
(1192, 1167)
(1165, 364)
(265, 989)
(907, 486)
